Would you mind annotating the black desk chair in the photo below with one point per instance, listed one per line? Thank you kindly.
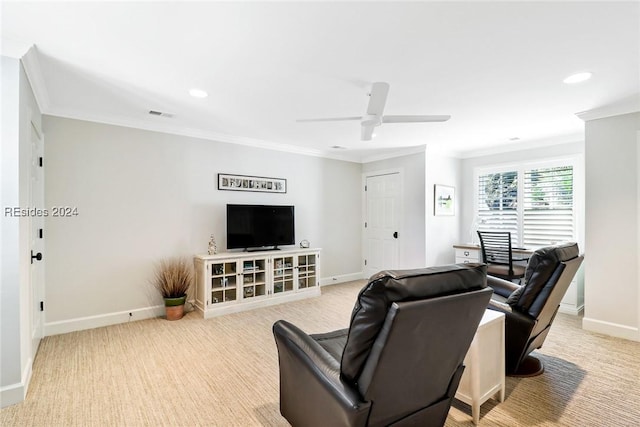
(498, 255)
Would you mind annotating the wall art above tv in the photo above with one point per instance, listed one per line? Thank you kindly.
(251, 183)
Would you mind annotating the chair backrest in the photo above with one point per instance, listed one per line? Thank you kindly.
(548, 275)
(496, 248)
(410, 331)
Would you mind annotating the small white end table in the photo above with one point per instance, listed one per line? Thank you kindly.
(484, 375)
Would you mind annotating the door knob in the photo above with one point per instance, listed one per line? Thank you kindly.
(37, 256)
(395, 234)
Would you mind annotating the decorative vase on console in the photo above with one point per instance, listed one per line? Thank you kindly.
(213, 248)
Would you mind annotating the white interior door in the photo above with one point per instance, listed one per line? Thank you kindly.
(36, 196)
(382, 195)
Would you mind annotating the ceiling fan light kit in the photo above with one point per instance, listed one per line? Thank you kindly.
(374, 116)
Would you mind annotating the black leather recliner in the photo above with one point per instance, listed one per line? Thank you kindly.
(530, 309)
(400, 361)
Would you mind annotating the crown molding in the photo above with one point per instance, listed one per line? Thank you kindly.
(630, 104)
(391, 155)
(522, 146)
(33, 70)
(188, 132)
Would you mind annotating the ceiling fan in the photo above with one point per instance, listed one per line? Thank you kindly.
(374, 117)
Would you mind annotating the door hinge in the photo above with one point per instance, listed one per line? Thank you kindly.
(41, 305)
(40, 161)
(365, 188)
(365, 262)
(40, 233)
(365, 225)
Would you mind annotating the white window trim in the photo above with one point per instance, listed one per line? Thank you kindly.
(576, 161)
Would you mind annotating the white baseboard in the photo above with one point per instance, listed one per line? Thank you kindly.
(613, 329)
(97, 321)
(16, 393)
(570, 309)
(261, 302)
(12, 394)
(90, 322)
(334, 280)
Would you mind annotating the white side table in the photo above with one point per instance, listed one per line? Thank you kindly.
(484, 375)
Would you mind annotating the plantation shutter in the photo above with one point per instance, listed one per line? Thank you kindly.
(548, 206)
(498, 203)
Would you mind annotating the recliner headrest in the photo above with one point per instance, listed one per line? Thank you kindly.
(387, 287)
(541, 266)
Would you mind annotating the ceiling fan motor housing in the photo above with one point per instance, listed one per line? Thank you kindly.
(371, 120)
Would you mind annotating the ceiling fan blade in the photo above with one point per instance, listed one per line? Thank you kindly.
(330, 119)
(378, 98)
(414, 119)
(366, 132)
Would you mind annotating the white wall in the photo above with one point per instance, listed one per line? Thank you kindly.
(612, 273)
(18, 109)
(412, 233)
(442, 232)
(144, 195)
(10, 369)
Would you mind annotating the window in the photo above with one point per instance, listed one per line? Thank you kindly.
(498, 203)
(535, 203)
(548, 206)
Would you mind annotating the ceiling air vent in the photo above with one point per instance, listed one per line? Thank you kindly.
(160, 113)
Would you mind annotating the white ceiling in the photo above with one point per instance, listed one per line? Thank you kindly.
(495, 67)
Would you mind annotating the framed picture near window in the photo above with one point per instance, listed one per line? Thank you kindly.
(444, 200)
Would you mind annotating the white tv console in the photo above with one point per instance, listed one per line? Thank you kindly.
(236, 281)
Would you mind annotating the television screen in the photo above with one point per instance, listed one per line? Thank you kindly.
(257, 226)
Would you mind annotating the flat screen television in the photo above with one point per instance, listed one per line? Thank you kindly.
(259, 226)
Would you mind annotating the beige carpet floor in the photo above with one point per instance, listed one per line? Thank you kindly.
(224, 372)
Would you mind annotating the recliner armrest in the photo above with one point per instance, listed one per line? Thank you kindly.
(512, 316)
(501, 287)
(311, 389)
(499, 306)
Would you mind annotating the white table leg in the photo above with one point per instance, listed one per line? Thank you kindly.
(502, 361)
(475, 381)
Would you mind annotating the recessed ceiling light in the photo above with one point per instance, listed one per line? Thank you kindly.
(577, 78)
(198, 93)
